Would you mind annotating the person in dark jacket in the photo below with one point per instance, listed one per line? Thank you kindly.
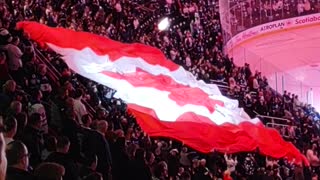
(161, 171)
(202, 172)
(62, 157)
(138, 168)
(18, 162)
(71, 128)
(102, 150)
(95, 143)
(22, 120)
(33, 138)
(173, 163)
(4, 71)
(7, 95)
(121, 160)
(49, 171)
(88, 167)
(87, 137)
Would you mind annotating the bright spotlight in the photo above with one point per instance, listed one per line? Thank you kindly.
(163, 24)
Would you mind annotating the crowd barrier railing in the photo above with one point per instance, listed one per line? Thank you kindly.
(55, 75)
(52, 72)
(282, 128)
(271, 118)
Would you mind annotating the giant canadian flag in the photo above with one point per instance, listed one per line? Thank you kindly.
(166, 100)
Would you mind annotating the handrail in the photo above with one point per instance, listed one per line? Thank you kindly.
(271, 117)
(222, 86)
(138, 6)
(39, 53)
(42, 59)
(277, 124)
(56, 73)
(218, 81)
(145, 8)
(42, 102)
(281, 125)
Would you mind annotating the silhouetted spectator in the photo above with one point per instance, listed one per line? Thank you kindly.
(33, 138)
(89, 167)
(18, 161)
(62, 157)
(10, 125)
(49, 171)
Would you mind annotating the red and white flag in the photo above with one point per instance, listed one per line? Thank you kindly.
(166, 100)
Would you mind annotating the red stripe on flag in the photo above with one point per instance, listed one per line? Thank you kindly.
(181, 94)
(66, 38)
(227, 138)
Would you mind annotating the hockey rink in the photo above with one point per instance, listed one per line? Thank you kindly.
(289, 58)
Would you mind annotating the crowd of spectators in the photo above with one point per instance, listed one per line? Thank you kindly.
(51, 133)
(244, 14)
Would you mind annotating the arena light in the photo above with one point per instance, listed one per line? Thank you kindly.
(163, 24)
